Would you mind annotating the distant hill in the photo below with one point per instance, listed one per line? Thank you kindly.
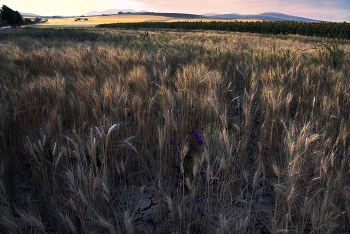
(108, 12)
(126, 11)
(29, 14)
(175, 15)
(278, 16)
(92, 13)
(268, 16)
(210, 14)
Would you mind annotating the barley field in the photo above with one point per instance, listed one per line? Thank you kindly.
(92, 21)
(121, 131)
(95, 20)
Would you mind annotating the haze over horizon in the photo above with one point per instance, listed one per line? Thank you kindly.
(327, 10)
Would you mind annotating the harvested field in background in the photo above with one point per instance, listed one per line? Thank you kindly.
(121, 18)
(95, 20)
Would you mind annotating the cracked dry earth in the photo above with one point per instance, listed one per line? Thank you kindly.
(145, 204)
(145, 207)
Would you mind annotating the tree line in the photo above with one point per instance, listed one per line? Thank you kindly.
(321, 29)
(14, 18)
(10, 17)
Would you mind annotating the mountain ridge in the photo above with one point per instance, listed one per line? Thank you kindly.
(268, 16)
(108, 12)
(29, 14)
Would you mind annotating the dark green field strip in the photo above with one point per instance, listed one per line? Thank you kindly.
(321, 29)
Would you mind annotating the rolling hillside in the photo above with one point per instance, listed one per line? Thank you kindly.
(267, 16)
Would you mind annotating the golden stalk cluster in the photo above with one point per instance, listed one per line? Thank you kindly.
(236, 132)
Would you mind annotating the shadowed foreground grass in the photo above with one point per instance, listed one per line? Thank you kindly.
(228, 132)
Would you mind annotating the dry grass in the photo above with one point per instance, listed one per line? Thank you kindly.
(110, 131)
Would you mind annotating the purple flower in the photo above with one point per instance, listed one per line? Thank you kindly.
(197, 199)
(199, 141)
(197, 138)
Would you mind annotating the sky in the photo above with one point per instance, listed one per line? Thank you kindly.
(328, 10)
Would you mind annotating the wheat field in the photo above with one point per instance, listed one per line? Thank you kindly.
(112, 131)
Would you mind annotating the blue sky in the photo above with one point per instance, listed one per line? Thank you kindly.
(329, 10)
